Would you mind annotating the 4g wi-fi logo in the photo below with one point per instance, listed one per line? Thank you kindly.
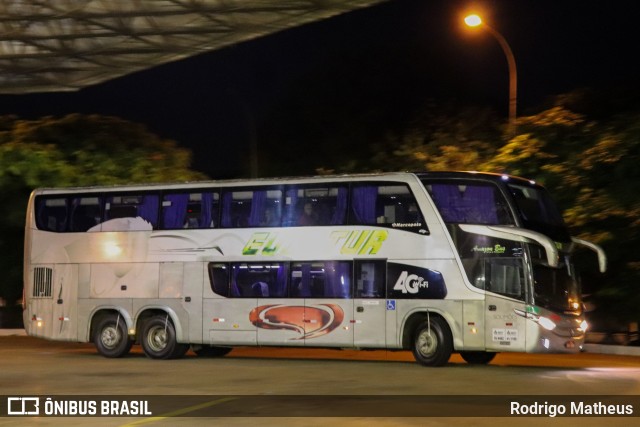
(415, 282)
(410, 283)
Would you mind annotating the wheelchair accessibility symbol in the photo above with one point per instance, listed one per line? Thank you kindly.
(391, 304)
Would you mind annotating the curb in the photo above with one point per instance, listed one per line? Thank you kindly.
(621, 350)
(12, 332)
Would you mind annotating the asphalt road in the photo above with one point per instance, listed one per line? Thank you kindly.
(310, 386)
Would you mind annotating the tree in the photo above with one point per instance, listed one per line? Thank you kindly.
(75, 150)
(585, 155)
(591, 169)
(439, 137)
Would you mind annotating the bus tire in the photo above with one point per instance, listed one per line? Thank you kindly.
(159, 339)
(211, 351)
(110, 337)
(477, 357)
(432, 342)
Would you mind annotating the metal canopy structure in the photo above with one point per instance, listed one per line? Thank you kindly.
(65, 45)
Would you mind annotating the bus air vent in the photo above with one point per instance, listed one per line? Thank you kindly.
(42, 281)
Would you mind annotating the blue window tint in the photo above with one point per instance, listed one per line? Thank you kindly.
(190, 210)
(314, 205)
(370, 279)
(469, 203)
(144, 206)
(259, 280)
(318, 279)
(219, 278)
(51, 214)
(386, 204)
(86, 213)
(252, 208)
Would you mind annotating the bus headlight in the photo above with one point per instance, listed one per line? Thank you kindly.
(584, 325)
(547, 323)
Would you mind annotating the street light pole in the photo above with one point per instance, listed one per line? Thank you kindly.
(475, 21)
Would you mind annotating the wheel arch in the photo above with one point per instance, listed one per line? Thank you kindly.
(150, 311)
(104, 311)
(413, 319)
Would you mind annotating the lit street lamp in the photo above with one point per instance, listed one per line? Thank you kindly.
(476, 21)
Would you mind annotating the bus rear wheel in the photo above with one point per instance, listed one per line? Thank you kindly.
(432, 342)
(159, 339)
(477, 357)
(110, 337)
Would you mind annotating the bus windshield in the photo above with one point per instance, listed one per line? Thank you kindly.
(538, 212)
(556, 288)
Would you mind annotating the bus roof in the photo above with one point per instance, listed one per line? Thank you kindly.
(393, 176)
(481, 176)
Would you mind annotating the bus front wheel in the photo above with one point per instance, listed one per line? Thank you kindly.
(159, 339)
(110, 337)
(432, 342)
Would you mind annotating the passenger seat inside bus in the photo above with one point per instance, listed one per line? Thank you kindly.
(260, 289)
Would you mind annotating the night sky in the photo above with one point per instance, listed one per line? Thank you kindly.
(386, 59)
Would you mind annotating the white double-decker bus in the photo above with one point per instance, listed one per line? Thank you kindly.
(435, 263)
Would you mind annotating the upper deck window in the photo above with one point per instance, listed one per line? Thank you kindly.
(129, 207)
(470, 203)
(312, 205)
(51, 213)
(535, 205)
(190, 210)
(386, 205)
(252, 208)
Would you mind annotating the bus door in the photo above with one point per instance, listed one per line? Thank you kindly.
(226, 307)
(494, 261)
(504, 304)
(326, 288)
(370, 310)
(278, 319)
(53, 307)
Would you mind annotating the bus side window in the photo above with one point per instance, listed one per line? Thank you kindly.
(330, 279)
(470, 203)
(386, 204)
(51, 214)
(236, 206)
(300, 283)
(321, 279)
(306, 206)
(370, 279)
(86, 213)
(190, 210)
(505, 276)
(259, 280)
(219, 278)
(145, 206)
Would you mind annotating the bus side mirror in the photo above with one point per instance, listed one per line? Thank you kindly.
(602, 256)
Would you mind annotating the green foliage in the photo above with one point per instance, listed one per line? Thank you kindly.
(438, 138)
(586, 156)
(591, 168)
(75, 150)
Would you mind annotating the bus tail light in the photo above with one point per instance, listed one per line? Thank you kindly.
(38, 320)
